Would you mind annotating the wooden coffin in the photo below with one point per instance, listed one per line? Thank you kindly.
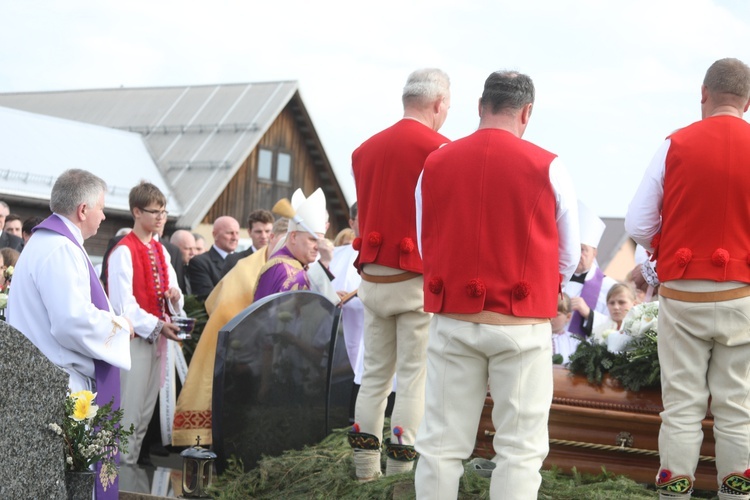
(591, 427)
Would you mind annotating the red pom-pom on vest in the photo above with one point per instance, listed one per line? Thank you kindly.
(521, 290)
(357, 243)
(683, 256)
(475, 288)
(435, 285)
(406, 245)
(720, 257)
(355, 427)
(374, 239)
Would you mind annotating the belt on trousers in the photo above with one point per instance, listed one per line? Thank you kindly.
(734, 293)
(494, 318)
(392, 278)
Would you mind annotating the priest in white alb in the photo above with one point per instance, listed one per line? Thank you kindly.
(58, 302)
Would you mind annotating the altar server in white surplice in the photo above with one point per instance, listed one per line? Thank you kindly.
(58, 302)
(347, 280)
(53, 297)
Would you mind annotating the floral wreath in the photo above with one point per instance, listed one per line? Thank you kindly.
(630, 355)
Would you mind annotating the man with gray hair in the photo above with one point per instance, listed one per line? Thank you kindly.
(386, 168)
(691, 213)
(58, 301)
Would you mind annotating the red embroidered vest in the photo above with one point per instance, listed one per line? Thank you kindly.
(386, 169)
(705, 230)
(150, 274)
(489, 231)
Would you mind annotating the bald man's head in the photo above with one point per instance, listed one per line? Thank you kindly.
(226, 233)
(185, 241)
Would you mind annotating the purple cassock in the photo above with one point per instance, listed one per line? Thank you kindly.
(281, 273)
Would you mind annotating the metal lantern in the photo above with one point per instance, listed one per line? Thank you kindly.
(197, 471)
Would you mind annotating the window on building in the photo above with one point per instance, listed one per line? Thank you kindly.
(265, 164)
(283, 167)
(275, 174)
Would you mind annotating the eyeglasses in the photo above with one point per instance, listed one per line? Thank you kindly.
(157, 213)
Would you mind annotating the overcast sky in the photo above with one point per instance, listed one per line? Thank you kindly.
(613, 78)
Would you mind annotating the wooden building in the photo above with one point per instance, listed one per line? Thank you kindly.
(222, 149)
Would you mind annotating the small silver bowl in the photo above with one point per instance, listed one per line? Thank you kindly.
(185, 324)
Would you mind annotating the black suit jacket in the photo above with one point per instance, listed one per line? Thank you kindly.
(114, 240)
(233, 258)
(176, 257)
(204, 271)
(10, 241)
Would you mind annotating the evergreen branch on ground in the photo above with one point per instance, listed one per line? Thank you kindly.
(326, 471)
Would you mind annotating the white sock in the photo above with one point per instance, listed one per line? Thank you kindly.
(397, 466)
(367, 464)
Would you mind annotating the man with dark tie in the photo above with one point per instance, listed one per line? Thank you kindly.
(204, 270)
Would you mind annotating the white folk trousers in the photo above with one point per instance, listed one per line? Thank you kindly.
(461, 358)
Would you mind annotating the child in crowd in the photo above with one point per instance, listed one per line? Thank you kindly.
(563, 342)
(620, 299)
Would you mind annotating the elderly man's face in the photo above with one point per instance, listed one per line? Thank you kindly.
(227, 234)
(94, 218)
(186, 244)
(588, 254)
(303, 246)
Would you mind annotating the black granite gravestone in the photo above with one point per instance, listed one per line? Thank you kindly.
(282, 377)
(32, 395)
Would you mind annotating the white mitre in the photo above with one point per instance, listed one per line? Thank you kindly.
(311, 212)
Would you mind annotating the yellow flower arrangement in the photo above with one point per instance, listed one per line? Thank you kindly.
(92, 434)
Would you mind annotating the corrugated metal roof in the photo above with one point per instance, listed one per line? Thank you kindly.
(37, 148)
(198, 136)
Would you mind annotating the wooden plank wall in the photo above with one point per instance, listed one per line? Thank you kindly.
(244, 193)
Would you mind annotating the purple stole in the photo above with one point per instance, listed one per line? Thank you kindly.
(107, 376)
(590, 295)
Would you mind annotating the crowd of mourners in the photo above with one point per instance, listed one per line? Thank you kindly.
(431, 320)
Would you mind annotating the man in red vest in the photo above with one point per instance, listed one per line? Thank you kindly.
(142, 286)
(691, 210)
(386, 168)
(492, 292)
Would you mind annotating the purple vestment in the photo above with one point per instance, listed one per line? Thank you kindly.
(281, 273)
(590, 295)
